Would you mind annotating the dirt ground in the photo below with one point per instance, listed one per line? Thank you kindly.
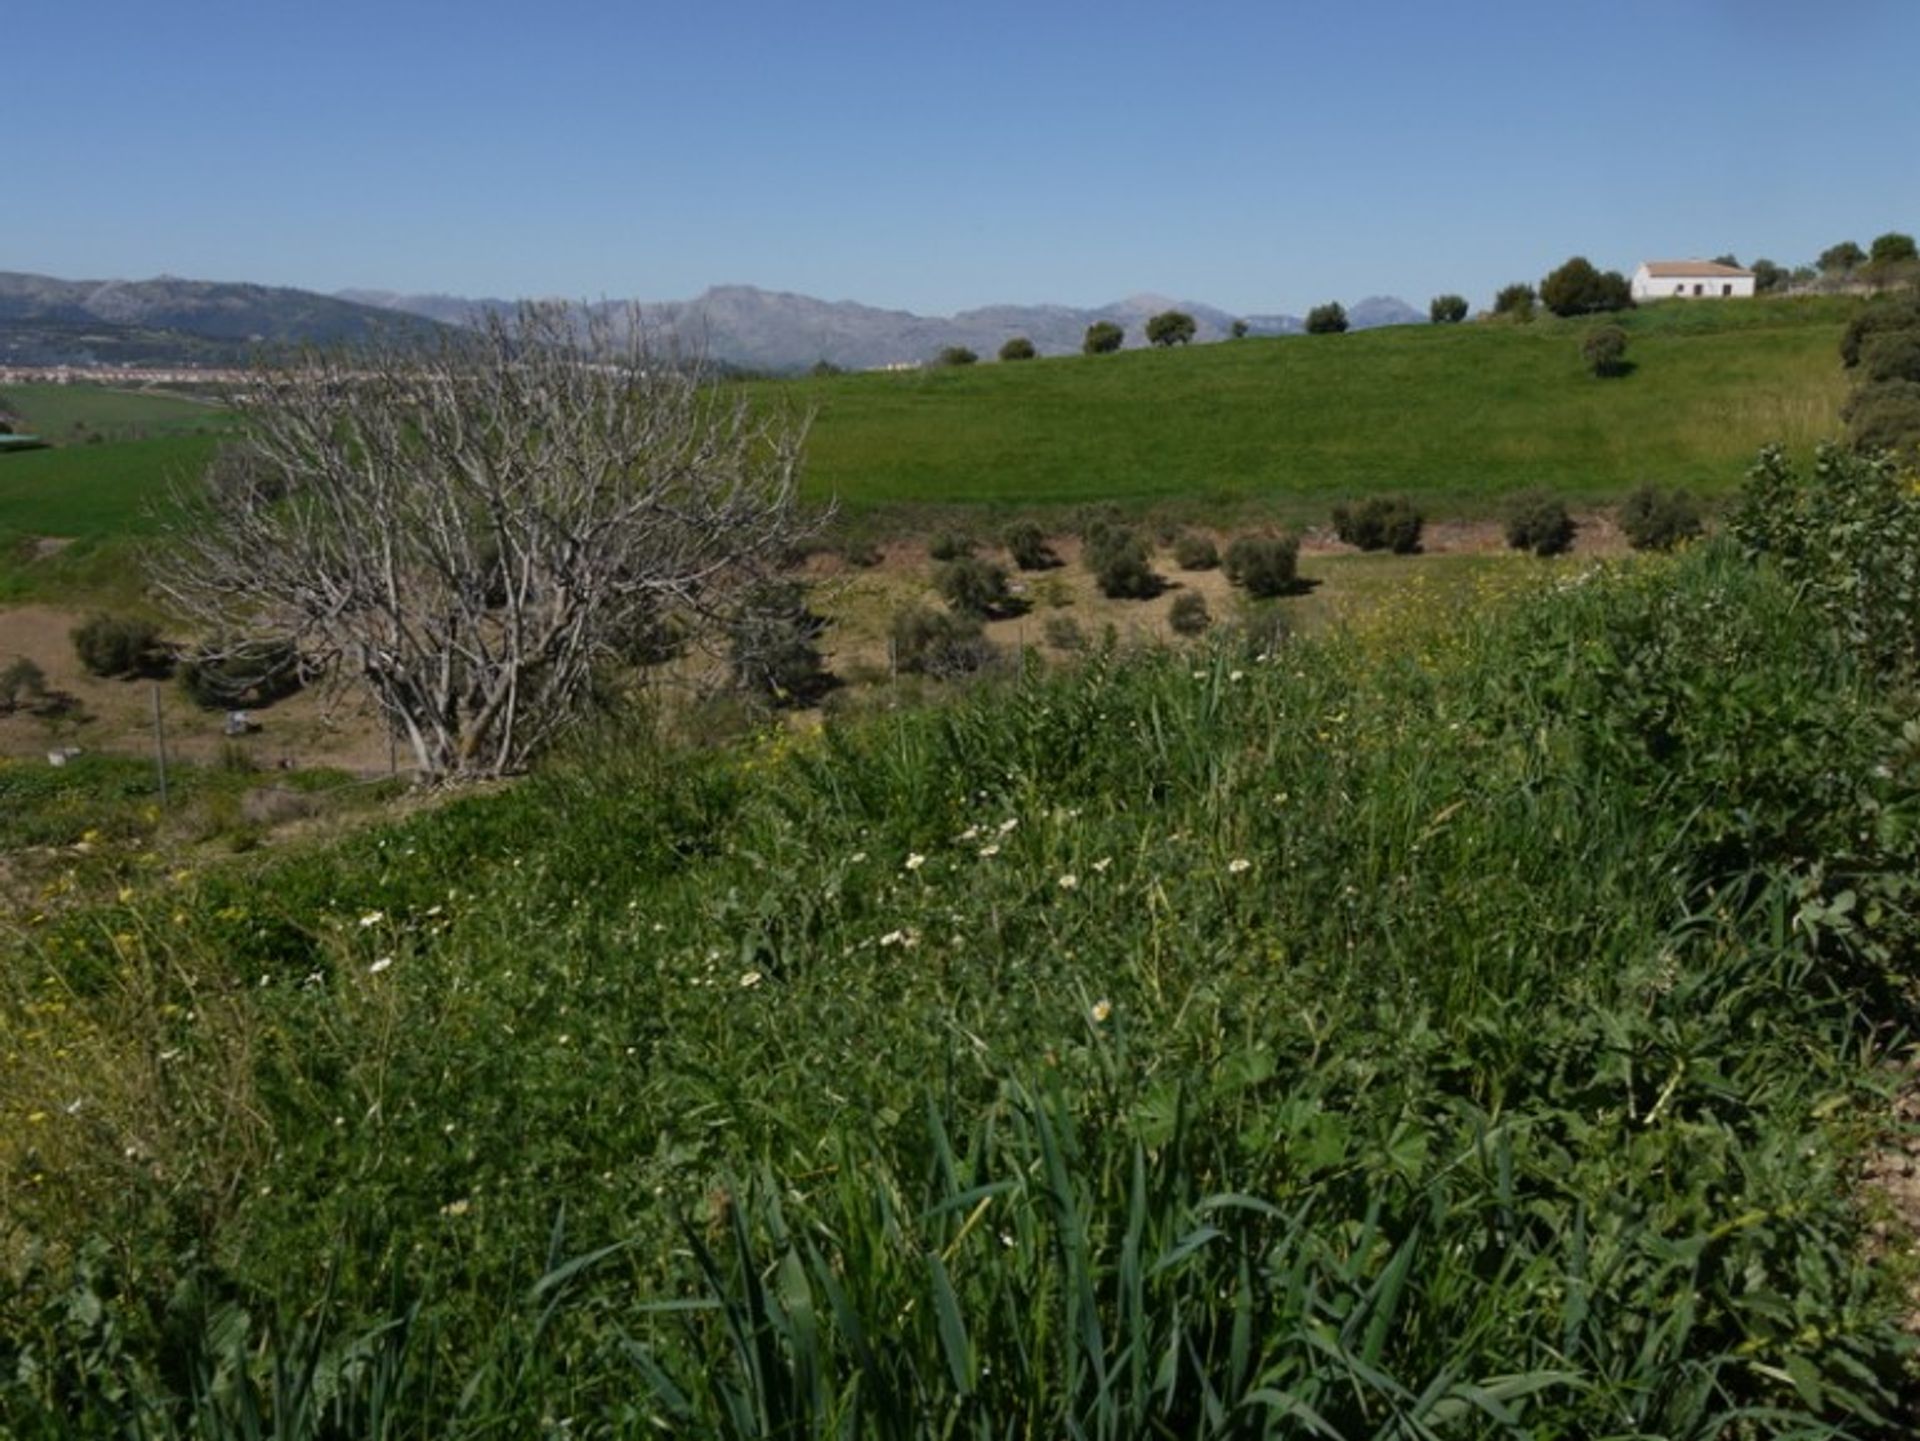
(116, 716)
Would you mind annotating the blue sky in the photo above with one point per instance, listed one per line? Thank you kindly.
(1259, 156)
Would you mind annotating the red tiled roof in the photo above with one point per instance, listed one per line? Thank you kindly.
(1676, 269)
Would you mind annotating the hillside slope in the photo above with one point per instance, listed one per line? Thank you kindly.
(1458, 414)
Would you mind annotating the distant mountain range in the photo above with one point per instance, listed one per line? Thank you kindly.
(775, 330)
(168, 321)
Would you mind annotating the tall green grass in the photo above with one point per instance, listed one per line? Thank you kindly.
(1454, 1029)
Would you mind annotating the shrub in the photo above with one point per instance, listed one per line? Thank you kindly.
(950, 545)
(1447, 309)
(1103, 337)
(1063, 632)
(240, 675)
(1884, 417)
(1883, 317)
(860, 551)
(22, 681)
(1380, 522)
(1026, 542)
(939, 643)
(1195, 552)
(1121, 563)
(1328, 319)
(1605, 351)
(1891, 355)
(1264, 565)
(956, 355)
(1189, 614)
(118, 645)
(973, 586)
(1018, 348)
(773, 645)
(1655, 519)
(1539, 522)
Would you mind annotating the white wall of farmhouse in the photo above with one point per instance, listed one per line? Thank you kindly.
(1648, 286)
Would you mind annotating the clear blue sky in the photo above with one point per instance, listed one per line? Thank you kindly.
(1259, 156)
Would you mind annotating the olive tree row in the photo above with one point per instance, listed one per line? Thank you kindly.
(470, 531)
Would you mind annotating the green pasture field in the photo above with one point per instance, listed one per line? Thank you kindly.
(1455, 415)
(61, 412)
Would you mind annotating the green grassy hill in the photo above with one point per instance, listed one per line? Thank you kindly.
(1456, 414)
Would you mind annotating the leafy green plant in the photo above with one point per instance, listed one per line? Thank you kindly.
(1121, 562)
(950, 545)
(941, 644)
(773, 645)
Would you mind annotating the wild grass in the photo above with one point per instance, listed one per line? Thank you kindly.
(1461, 1025)
(1456, 416)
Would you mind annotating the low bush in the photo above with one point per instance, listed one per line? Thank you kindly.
(1026, 542)
(1539, 522)
(949, 545)
(773, 646)
(1605, 351)
(119, 645)
(1122, 563)
(238, 676)
(1188, 615)
(1192, 551)
(939, 643)
(1018, 348)
(1656, 519)
(1063, 632)
(21, 681)
(973, 587)
(1380, 522)
(1264, 565)
(1885, 416)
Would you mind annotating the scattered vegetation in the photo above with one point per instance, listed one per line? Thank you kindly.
(974, 587)
(1539, 522)
(1656, 519)
(773, 645)
(1193, 551)
(1189, 615)
(950, 545)
(119, 645)
(938, 643)
(1380, 522)
(1264, 565)
(1027, 543)
(1604, 349)
(1121, 561)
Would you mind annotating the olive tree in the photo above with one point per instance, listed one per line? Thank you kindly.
(1171, 327)
(470, 531)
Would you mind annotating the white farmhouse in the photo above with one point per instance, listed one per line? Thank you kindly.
(1691, 279)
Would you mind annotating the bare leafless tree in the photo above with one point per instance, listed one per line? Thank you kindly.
(470, 530)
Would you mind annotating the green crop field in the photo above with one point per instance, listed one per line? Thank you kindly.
(61, 412)
(1457, 415)
(96, 491)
